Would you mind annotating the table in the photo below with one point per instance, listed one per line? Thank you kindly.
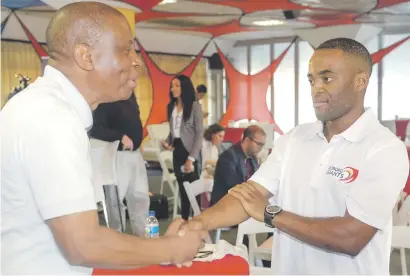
(229, 265)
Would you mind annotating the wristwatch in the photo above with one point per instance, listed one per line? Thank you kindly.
(270, 212)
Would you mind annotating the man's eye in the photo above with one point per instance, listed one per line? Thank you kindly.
(327, 79)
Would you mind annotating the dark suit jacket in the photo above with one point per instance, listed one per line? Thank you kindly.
(230, 170)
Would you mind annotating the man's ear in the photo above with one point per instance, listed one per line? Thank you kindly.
(362, 80)
(82, 57)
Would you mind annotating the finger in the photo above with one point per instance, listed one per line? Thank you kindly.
(236, 195)
(175, 227)
(187, 264)
(245, 194)
(179, 265)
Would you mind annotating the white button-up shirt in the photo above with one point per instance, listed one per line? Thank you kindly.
(361, 170)
(177, 120)
(46, 173)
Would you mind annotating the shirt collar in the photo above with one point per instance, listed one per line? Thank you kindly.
(356, 132)
(70, 93)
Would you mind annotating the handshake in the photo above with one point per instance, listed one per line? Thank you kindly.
(187, 238)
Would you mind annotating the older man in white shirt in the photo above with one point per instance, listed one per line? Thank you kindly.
(49, 222)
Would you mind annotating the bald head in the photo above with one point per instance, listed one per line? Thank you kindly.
(80, 23)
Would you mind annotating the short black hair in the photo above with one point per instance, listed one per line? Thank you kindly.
(250, 132)
(211, 130)
(201, 88)
(350, 47)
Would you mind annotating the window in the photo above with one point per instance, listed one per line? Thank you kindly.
(306, 110)
(371, 98)
(239, 59)
(396, 81)
(284, 88)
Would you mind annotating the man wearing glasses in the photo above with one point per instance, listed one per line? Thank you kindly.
(238, 163)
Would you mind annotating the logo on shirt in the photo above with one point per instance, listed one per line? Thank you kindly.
(346, 175)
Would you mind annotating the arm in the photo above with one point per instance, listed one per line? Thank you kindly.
(100, 247)
(198, 124)
(345, 235)
(100, 129)
(229, 210)
(60, 182)
(369, 205)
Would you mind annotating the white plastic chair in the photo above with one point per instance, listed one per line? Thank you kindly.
(103, 160)
(165, 157)
(401, 241)
(251, 227)
(158, 133)
(194, 189)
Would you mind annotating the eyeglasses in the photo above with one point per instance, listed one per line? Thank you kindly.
(203, 254)
(258, 143)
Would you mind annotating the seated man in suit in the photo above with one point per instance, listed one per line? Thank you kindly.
(238, 163)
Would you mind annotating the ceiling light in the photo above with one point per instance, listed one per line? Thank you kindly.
(167, 2)
(269, 22)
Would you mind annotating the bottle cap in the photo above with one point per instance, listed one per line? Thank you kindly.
(151, 213)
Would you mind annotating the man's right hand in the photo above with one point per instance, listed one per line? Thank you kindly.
(179, 227)
(127, 143)
(187, 246)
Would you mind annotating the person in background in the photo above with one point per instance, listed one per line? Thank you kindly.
(121, 121)
(238, 163)
(334, 182)
(213, 137)
(185, 137)
(200, 92)
(49, 220)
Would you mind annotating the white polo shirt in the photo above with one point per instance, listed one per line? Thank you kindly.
(45, 171)
(362, 170)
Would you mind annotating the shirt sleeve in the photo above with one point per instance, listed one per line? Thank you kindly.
(269, 173)
(378, 185)
(58, 165)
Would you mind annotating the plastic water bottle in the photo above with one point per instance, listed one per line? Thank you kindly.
(151, 226)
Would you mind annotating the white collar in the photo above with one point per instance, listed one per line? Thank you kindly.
(356, 132)
(71, 94)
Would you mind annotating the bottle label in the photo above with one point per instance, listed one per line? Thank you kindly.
(151, 231)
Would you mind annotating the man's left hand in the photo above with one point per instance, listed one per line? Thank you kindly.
(251, 199)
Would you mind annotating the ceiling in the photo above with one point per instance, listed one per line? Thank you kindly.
(186, 26)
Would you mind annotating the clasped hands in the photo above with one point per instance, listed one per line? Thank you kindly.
(251, 199)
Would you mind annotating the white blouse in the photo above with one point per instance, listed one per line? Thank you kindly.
(177, 120)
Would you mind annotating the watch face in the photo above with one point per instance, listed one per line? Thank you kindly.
(273, 209)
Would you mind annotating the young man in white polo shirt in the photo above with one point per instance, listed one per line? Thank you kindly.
(335, 182)
(49, 222)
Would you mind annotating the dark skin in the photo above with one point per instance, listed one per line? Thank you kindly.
(338, 86)
(100, 61)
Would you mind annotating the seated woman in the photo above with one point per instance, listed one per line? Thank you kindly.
(213, 138)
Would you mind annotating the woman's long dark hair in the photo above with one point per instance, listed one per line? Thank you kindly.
(187, 97)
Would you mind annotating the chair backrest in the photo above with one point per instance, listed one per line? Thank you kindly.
(249, 227)
(165, 160)
(401, 237)
(195, 188)
(103, 160)
(158, 132)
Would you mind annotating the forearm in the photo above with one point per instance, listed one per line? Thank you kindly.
(333, 234)
(113, 250)
(226, 212)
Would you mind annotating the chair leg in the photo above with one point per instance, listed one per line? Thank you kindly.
(105, 213)
(162, 185)
(218, 235)
(403, 261)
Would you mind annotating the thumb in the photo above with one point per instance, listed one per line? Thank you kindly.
(175, 227)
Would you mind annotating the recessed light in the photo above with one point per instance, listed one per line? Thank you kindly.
(167, 2)
(269, 22)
